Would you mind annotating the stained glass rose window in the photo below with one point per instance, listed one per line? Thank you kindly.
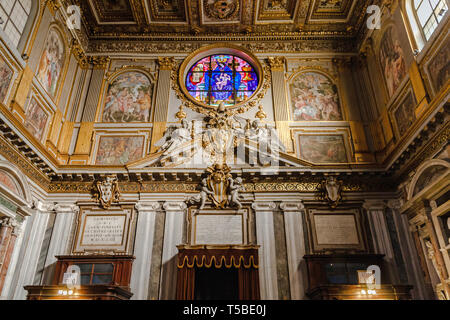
(222, 78)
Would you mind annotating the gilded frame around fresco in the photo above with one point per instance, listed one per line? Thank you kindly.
(110, 78)
(343, 132)
(330, 76)
(145, 134)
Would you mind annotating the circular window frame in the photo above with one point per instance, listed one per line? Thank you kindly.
(218, 49)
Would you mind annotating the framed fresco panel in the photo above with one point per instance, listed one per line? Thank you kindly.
(36, 119)
(392, 60)
(52, 62)
(314, 97)
(118, 150)
(323, 148)
(6, 74)
(404, 113)
(128, 98)
(336, 230)
(438, 68)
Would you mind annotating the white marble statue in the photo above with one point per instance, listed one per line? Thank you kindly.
(235, 186)
(174, 137)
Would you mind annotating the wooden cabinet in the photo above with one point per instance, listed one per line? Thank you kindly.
(335, 277)
(100, 278)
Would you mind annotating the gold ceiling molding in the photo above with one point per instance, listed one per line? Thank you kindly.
(130, 18)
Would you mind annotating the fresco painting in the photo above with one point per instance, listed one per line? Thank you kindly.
(314, 97)
(323, 148)
(119, 150)
(392, 59)
(36, 119)
(6, 75)
(128, 98)
(51, 63)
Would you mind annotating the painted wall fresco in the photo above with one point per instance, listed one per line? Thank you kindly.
(314, 97)
(323, 148)
(404, 114)
(119, 150)
(6, 75)
(51, 63)
(439, 66)
(8, 182)
(36, 119)
(128, 98)
(392, 59)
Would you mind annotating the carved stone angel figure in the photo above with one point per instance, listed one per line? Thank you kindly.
(174, 137)
(266, 137)
(234, 189)
(202, 197)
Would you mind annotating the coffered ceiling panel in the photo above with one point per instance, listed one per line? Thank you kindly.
(160, 20)
(112, 11)
(166, 11)
(277, 10)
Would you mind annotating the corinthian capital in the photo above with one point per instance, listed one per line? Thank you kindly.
(166, 63)
(276, 63)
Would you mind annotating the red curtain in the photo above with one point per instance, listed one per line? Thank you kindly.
(245, 259)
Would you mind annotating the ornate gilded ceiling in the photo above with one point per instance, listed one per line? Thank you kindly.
(130, 19)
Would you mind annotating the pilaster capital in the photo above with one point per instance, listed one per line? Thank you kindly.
(9, 222)
(147, 206)
(276, 63)
(292, 206)
(43, 207)
(174, 206)
(66, 208)
(395, 204)
(264, 206)
(166, 63)
(371, 205)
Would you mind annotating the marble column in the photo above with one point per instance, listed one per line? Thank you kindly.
(59, 242)
(145, 230)
(295, 243)
(265, 236)
(28, 258)
(380, 235)
(412, 264)
(173, 236)
(9, 230)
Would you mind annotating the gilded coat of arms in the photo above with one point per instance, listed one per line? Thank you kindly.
(107, 192)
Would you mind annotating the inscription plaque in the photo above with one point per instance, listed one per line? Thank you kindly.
(103, 230)
(336, 229)
(219, 229)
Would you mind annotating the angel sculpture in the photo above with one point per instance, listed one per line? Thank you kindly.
(203, 196)
(234, 188)
(266, 137)
(174, 137)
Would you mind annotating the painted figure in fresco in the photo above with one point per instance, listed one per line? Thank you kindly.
(315, 98)
(128, 99)
(392, 60)
(119, 150)
(5, 79)
(36, 119)
(51, 63)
